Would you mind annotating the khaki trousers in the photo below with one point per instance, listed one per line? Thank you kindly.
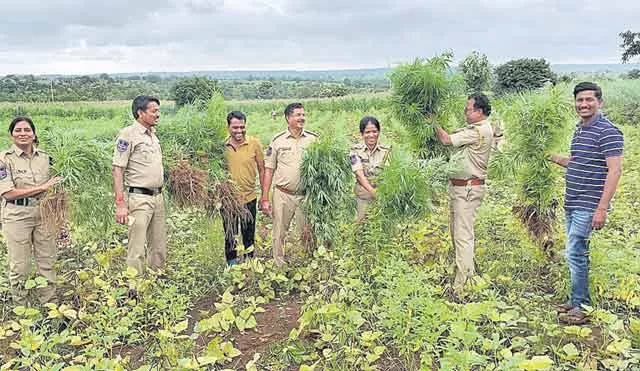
(361, 207)
(147, 233)
(26, 237)
(285, 207)
(463, 207)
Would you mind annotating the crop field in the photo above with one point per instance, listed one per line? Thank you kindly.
(375, 296)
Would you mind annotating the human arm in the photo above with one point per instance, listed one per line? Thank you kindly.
(559, 160)
(118, 189)
(443, 136)
(16, 193)
(267, 178)
(364, 182)
(614, 171)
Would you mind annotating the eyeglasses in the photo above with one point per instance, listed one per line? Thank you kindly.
(466, 110)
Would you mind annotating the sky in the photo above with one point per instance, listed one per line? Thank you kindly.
(114, 36)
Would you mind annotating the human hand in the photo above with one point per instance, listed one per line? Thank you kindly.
(599, 218)
(52, 182)
(122, 213)
(265, 206)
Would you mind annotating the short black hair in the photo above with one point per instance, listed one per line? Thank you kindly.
(586, 86)
(290, 107)
(236, 115)
(369, 120)
(141, 102)
(481, 102)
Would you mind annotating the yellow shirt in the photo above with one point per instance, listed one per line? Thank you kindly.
(284, 156)
(475, 142)
(17, 170)
(241, 162)
(138, 152)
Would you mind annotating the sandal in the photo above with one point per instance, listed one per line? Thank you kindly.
(574, 317)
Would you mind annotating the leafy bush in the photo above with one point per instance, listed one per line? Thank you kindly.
(424, 95)
(634, 74)
(476, 70)
(537, 125)
(193, 90)
(522, 75)
(326, 179)
(408, 186)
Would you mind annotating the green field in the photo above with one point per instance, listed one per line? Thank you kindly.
(372, 300)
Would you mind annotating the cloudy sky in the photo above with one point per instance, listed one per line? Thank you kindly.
(83, 36)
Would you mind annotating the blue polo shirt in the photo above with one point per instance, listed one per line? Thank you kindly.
(587, 169)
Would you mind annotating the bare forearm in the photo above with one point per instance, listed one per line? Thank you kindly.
(560, 160)
(442, 136)
(266, 183)
(610, 186)
(22, 193)
(364, 182)
(261, 168)
(118, 179)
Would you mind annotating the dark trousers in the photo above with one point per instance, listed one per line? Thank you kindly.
(247, 229)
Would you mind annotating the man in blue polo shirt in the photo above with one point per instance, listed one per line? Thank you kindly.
(593, 171)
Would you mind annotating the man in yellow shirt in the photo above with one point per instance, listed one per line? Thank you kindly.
(244, 161)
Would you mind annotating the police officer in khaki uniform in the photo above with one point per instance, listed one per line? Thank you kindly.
(282, 166)
(466, 188)
(367, 160)
(137, 161)
(24, 180)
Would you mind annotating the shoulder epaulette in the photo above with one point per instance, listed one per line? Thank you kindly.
(278, 135)
(357, 146)
(382, 146)
(312, 133)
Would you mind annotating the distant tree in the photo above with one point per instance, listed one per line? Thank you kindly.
(193, 89)
(333, 90)
(634, 74)
(630, 44)
(476, 70)
(523, 74)
(265, 89)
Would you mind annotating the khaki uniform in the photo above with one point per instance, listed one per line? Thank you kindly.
(138, 152)
(475, 142)
(284, 156)
(23, 231)
(371, 163)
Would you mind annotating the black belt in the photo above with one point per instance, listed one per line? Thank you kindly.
(145, 191)
(22, 201)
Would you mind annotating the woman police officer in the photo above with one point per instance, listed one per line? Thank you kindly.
(24, 180)
(367, 160)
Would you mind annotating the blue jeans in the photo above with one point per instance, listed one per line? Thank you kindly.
(578, 225)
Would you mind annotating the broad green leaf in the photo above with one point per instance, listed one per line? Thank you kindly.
(537, 363)
(570, 350)
(181, 326)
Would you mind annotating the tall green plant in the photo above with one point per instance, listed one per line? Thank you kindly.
(537, 124)
(407, 186)
(425, 94)
(85, 166)
(326, 180)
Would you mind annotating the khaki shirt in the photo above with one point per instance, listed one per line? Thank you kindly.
(19, 171)
(138, 151)
(241, 162)
(475, 142)
(370, 162)
(284, 156)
